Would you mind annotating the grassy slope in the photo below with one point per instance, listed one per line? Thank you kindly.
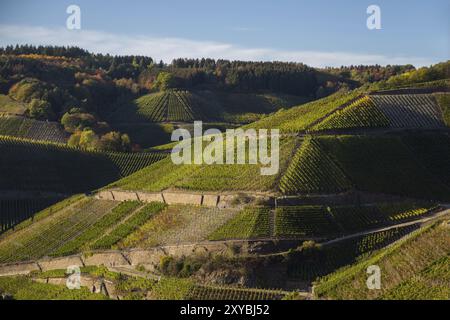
(10, 106)
(415, 263)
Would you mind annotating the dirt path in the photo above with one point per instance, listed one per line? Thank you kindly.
(404, 224)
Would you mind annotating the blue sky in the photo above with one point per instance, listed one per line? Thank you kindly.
(316, 32)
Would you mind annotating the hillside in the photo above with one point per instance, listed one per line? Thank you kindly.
(407, 111)
(416, 106)
(363, 178)
(46, 167)
(411, 165)
(209, 106)
(165, 174)
(22, 127)
(414, 268)
(38, 174)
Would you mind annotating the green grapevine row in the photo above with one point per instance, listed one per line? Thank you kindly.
(97, 229)
(310, 264)
(410, 111)
(247, 224)
(13, 211)
(32, 129)
(44, 237)
(360, 114)
(312, 171)
(38, 166)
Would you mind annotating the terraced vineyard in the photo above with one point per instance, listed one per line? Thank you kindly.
(352, 219)
(128, 226)
(13, 211)
(172, 105)
(304, 221)
(180, 105)
(301, 118)
(36, 166)
(412, 268)
(247, 224)
(215, 177)
(174, 225)
(307, 265)
(313, 171)
(361, 114)
(49, 234)
(383, 165)
(333, 221)
(22, 127)
(199, 292)
(95, 231)
(389, 111)
(410, 111)
(433, 152)
(431, 282)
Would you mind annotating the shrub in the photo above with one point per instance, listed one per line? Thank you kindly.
(164, 81)
(77, 121)
(40, 109)
(115, 141)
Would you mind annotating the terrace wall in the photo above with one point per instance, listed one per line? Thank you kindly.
(149, 258)
(171, 197)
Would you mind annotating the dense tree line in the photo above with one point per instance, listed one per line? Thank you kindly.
(241, 76)
(372, 73)
(54, 81)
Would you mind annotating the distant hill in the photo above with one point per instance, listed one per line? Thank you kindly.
(209, 106)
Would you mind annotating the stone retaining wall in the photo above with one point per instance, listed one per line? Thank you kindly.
(174, 197)
(60, 263)
(182, 198)
(18, 269)
(108, 259)
(149, 258)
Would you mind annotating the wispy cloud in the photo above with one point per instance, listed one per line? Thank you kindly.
(169, 48)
